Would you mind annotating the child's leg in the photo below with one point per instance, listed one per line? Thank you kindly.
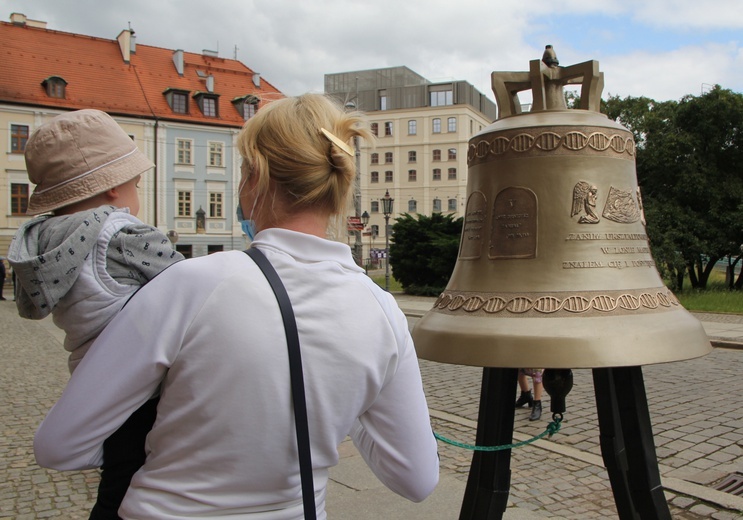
(123, 455)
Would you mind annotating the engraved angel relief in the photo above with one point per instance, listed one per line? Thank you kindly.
(584, 201)
(621, 206)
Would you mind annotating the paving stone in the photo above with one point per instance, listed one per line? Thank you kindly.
(691, 417)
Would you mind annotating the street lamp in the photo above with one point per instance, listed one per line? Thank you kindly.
(173, 237)
(364, 222)
(387, 210)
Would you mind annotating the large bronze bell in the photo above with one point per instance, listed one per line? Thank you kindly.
(554, 267)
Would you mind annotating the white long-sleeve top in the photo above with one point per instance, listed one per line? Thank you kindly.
(209, 331)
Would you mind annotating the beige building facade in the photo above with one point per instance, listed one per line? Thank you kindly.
(420, 156)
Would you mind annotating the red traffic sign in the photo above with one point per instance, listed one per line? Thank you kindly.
(354, 224)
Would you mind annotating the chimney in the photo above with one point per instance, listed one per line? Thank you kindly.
(207, 52)
(125, 44)
(21, 19)
(178, 61)
(210, 83)
(257, 79)
(133, 45)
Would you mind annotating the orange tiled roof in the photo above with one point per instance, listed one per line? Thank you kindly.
(98, 77)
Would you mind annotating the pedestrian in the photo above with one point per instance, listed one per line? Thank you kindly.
(526, 397)
(209, 333)
(2, 277)
(86, 255)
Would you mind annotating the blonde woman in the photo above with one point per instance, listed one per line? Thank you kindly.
(208, 332)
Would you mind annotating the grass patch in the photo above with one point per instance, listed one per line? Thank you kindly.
(712, 300)
(715, 298)
(395, 286)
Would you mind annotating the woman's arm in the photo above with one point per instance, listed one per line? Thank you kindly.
(122, 370)
(394, 435)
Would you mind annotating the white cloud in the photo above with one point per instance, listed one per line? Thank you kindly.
(294, 43)
(672, 75)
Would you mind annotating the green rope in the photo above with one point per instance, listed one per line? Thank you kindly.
(552, 428)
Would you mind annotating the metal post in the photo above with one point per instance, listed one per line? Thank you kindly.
(387, 210)
(387, 252)
(357, 246)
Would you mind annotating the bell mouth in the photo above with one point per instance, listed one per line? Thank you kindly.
(558, 342)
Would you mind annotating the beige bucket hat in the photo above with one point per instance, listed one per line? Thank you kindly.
(78, 155)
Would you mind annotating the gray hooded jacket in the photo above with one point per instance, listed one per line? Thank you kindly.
(83, 267)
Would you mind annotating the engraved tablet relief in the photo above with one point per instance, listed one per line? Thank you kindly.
(584, 203)
(470, 247)
(514, 226)
(621, 206)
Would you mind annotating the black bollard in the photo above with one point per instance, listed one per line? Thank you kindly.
(557, 382)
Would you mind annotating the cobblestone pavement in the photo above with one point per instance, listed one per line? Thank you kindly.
(696, 418)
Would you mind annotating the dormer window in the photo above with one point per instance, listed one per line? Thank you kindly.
(177, 100)
(55, 87)
(247, 106)
(207, 103)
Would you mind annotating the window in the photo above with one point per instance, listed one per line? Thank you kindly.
(185, 249)
(437, 155)
(177, 100)
(387, 157)
(18, 199)
(412, 127)
(247, 105)
(452, 204)
(452, 174)
(209, 107)
(442, 98)
(382, 100)
(412, 206)
(249, 110)
(412, 176)
(183, 151)
(388, 176)
(207, 103)
(375, 230)
(18, 138)
(375, 129)
(184, 203)
(388, 128)
(55, 87)
(214, 248)
(180, 103)
(436, 174)
(452, 154)
(215, 205)
(451, 124)
(436, 125)
(412, 156)
(375, 158)
(216, 154)
(436, 205)
(374, 177)
(375, 206)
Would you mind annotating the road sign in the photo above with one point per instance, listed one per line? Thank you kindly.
(354, 224)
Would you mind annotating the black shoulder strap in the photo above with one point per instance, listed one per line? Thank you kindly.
(297, 380)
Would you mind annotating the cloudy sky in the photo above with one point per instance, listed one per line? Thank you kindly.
(662, 49)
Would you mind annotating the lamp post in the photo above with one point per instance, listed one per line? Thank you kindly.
(387, 210)
(364, 222)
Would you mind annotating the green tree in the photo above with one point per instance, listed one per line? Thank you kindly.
(424, 251)
(689, 161)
